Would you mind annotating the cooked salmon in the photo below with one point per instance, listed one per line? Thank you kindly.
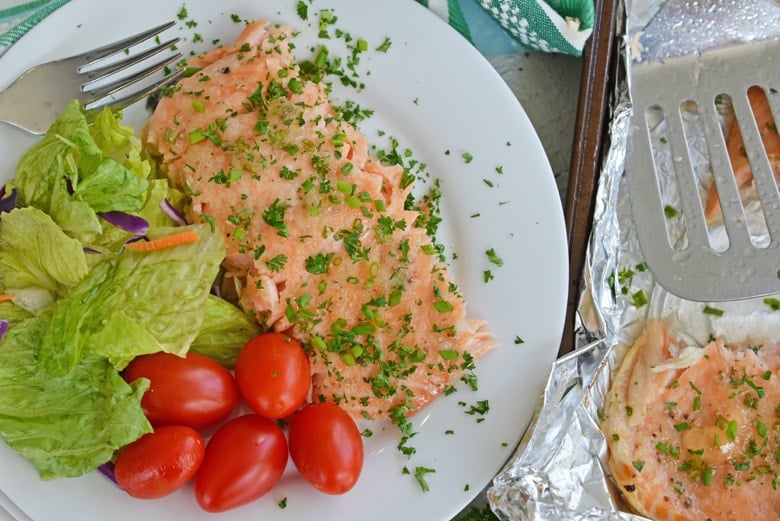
(321, 241)
(693, 433)
(743, 173)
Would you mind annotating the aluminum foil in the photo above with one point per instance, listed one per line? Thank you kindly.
(559, 470)
(687, 27)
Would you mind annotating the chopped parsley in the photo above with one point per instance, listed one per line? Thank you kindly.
(277, 263)
(493, 258)
(274, 216)
(385, 45)
(302, 9)
(639, 298)
(419, 475)
(319, 264)
(773, 303)
(709, 310)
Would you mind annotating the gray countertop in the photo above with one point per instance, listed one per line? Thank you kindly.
(547, 86)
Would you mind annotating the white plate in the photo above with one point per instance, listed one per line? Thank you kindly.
(440, 98)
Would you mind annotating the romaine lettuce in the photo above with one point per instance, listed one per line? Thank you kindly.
(135, 303)
(224, 332)
(38, 261)
(63, 404)
(69, 176)
(64, 425)
(120, 143)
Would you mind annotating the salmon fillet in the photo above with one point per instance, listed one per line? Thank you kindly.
(743, 173)
(693, 433)
(320, 241)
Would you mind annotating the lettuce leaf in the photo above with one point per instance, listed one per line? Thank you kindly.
(38, 261)
(120, 143)
(224, 332)
(64, 425)
(134, 303)
(69, 176)
(78, 319)
(113, 238)
(13, 313)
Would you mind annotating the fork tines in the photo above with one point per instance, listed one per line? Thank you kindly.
(99, 85)
(99, 53)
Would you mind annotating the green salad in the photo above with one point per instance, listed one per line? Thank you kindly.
(79, 303)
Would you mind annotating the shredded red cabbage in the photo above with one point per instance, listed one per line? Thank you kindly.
(3, 327)
(172, 212)
(8, 202)
(107, 469)
(127, 222)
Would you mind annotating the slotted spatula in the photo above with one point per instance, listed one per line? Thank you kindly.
(692, 267)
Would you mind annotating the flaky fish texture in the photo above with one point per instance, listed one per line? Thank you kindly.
(693, 432)
(321, 241)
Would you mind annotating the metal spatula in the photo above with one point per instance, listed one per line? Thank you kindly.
(683, 253)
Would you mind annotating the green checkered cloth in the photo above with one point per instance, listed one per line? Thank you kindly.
(17, 20)
(558, 26)
(493, 26)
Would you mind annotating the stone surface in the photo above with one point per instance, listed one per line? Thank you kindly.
(547, 86)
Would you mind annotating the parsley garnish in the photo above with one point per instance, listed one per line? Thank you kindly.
(480, 408)
(303, 10)
(319, 264)
(277, 263)
(773, 303)
(709, 310)
(419, 475)
(494, 258)
(274, 216)
(385, 45)
(639, 298)
(442, 306)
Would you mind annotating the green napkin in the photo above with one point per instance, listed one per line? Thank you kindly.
(17, 20)
(560, 26)
(493, 26)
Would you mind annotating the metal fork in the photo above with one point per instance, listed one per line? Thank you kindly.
(37, 97)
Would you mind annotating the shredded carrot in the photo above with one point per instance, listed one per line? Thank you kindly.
(168, 241)
(6, 296)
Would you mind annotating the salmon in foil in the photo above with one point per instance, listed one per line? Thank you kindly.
(693, 431)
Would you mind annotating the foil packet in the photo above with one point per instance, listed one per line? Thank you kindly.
(559, 470)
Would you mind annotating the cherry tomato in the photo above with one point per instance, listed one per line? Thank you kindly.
(244, 460)
(326, 447)
(273, 374)
(193, 390)
(160, 462)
